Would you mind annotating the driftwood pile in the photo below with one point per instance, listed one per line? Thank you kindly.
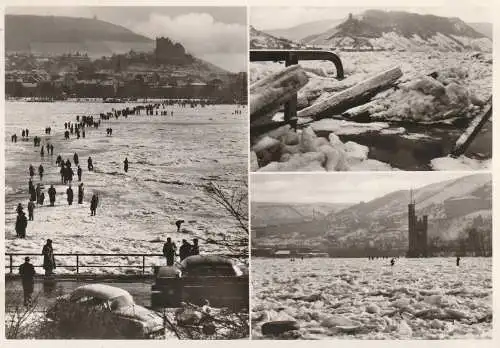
(285, 149)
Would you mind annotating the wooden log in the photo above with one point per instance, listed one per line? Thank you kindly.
(269, 94)
(471, 132)
(353, 96)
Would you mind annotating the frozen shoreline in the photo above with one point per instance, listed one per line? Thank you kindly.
(169, 164)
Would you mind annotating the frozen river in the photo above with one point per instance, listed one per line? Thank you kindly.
(368, 299)
(170, 159)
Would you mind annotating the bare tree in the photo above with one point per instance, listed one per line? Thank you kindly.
(233, 200)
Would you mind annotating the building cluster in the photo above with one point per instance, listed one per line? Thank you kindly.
(167, 73)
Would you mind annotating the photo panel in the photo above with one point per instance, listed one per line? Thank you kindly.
(370, 88)
(126, 166)
(383, 256)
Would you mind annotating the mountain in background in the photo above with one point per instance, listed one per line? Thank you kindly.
(55, 35)
(302, 31)
(452, 206)
(272, 214)
(260, 39)
(484, 28)
(397, 30)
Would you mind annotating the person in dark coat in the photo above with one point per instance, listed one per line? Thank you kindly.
(63, 174)
(52, 195)
(51, 149)
(69, 173)
(69, 193)
(195, 249)
(19, 208)
(38, 192)
(32, 170)
(185, 249)
(93, 204)
(66, 135)
(79, 173)
(458, 260)
(21, 224)
(27, 132)
(178, 223)
(80, 193)
(75, 159)
(41, 151)
(392, 262)
(32, 191)
(83, 133)
(27, 273)
(89, 164)
(125, 165)
(31, 208)
(49, 263)
(42, 198)
(23, 133)
(59, 160)
(40, 172)
(169, 249)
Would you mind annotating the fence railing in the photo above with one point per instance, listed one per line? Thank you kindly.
(141, 265)
(78, 264)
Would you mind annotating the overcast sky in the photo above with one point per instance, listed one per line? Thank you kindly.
(339, 187)
(216, 34)
(266, 18)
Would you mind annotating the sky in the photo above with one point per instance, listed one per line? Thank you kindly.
(216, 34)
(339, 187)
(266, 18)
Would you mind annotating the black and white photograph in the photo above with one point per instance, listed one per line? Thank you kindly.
(377, 256)
(371, 88)
(126, 165)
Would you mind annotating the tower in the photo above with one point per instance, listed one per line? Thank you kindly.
(417, 231)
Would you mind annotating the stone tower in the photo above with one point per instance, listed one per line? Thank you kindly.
(417, 231)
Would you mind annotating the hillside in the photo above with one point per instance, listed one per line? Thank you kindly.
(396, 30)
(260, 39)
(273, 214)
(451, 206)
(58, 35)
(302, 31)
(484, 28)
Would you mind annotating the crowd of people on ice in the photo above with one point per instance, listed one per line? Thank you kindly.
(36, 193)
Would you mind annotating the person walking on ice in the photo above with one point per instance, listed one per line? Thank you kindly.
(125, 165)
(80, 193)
(49, 263)
(40, 172)
(79, 173)
(169, 249)
(27, 273)
(90, 164)
(52, 195)
(93, 204)
(31, 209)
(69, 193)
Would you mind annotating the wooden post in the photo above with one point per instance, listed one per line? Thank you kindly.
(471, 132)
(77, 265)
(358, 94)
(267, 95)
(291, 105)
(143, 264)
(11, 269)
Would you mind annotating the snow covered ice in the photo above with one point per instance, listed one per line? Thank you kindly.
(428, 298)
(170, 159)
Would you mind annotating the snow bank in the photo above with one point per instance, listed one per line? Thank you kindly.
(460, 163)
